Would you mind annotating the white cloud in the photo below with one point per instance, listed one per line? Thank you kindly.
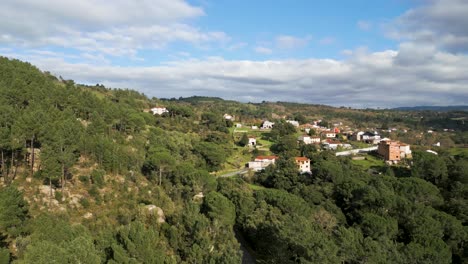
(364, 25)
(443, 23)
(291, 42)
(379, 79)
(117, 28)
(263, 50)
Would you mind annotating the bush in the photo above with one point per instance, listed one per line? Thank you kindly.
(84, 202)
(97, 177)
(83, 179)
(58, 197)
(4, 255)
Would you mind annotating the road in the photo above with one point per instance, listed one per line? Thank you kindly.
(234, 173)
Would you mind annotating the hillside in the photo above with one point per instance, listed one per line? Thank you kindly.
(89, 175)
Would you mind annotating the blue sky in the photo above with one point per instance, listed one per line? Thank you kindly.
(358, 53)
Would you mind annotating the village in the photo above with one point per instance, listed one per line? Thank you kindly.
(364, 146)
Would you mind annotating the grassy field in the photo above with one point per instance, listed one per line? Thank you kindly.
(256, 187)
(458, 151)
(369, 162)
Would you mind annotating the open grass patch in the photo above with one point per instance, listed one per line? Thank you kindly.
(369, 162)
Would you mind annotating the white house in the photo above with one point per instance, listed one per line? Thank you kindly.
(159, 110)
(315, 140)
(261, 162)
(329, 134)
(303, 164)
(405, 151)
(228, 117)
(238, 125)
(333, 145)
(358, 136)
(254, 127)
(305, 139)
(267, 125)
(293, 122)
(252, 142)
(371, 137)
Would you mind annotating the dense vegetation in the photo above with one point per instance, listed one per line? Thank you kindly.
(89, 176)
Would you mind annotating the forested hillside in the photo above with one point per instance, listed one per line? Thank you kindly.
(89, 175)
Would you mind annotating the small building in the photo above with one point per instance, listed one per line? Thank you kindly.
(228, 117)
(261, 162)
(329, 134)
(238, 125)
(371, 137)
(333, 144)
(303, 164)
(293, 122)
(254, 127)
(159, 110)
(267, 125)
(252, 142)
(405, 151)
(306, 139)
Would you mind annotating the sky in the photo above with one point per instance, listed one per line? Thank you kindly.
(360, 53)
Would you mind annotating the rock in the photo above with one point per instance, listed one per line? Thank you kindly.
(157, 211)
(88, 215)
(45, 190)
(198, 196)
(29, 179)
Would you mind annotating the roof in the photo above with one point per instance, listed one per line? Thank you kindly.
(301, 159)
(329, 141)
(267, 157)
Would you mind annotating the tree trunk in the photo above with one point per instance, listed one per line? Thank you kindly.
(32, 156)
(3, 168)
(15, 165)
(50, 186)
(160, 175)
(63, 179)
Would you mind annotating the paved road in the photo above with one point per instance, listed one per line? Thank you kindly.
(230, 174)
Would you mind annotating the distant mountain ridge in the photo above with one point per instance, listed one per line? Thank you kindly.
(434, 108)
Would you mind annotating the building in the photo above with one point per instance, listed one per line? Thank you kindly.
(405, 151)
(333, 144)
(252, 142)
(267, 125)
(329, 134)
(228, 117)
(303, 164)
(393, 151)
(293, 122)
(371, 137)
(308, 139)
(261, 162)
(159, 110)
(305, 139)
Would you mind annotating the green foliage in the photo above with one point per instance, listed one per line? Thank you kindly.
(97, 177)
(4, 255)
(244, 140)
(13, 211)
(219, 208)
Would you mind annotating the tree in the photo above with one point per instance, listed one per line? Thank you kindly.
(13, 211)
(158, 159)
(244, 140)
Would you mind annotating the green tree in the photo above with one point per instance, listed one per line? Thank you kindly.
(13, 211)
(244, 140)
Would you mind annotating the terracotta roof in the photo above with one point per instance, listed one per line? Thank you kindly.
(301, 159)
